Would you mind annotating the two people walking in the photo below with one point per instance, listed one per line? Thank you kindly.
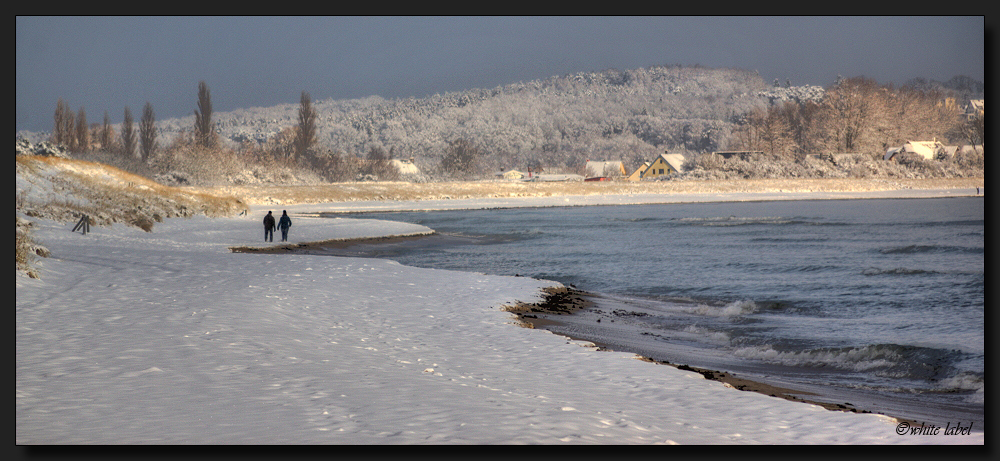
(284, 223)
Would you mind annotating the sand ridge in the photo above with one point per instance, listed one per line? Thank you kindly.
(396, 191)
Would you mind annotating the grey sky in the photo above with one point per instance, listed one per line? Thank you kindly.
(108, 63)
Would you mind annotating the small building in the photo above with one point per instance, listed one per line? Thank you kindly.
(637, 174)
(741, 154)
(609, 169)
(404, 167)
(927, 149)
(975, 108)
(510, 174)
(970, 149)
(838, 158)
(556, 177)
(664, 164)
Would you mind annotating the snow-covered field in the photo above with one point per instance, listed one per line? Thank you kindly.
(169, 338)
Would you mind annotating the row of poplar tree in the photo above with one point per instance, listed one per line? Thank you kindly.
(73, 132)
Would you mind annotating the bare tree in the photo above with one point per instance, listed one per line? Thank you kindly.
(57, 122)
(750, 134)
(203, 131)
(460, 157)
(776, 133)
(128, 134)
(62, 127)
(306, 134)
(978, 130)
(82, 132)
(107, 133)
(802, 120)
(855, 107)
(147, 132)
(377, 164)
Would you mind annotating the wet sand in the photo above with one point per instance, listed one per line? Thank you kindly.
(327, 244)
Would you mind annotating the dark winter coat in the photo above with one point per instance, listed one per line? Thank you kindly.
(285, 222)
(269, 222)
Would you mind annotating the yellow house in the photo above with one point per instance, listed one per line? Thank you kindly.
(663, 165)
(637, 174)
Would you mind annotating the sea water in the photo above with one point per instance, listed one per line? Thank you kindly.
(876, 303)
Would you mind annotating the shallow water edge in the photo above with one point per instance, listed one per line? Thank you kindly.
(563, 301)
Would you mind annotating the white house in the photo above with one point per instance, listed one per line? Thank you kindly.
(974, 108)
(926, 149)
(608, 169)
(404, 167)
(511, 174)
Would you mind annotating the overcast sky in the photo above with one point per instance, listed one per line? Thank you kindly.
(104, 64)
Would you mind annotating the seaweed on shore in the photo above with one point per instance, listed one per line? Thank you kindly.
(557, 300)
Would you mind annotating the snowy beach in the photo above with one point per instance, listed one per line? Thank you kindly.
(169, 337)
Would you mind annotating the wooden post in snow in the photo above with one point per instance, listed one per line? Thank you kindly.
(83, 225)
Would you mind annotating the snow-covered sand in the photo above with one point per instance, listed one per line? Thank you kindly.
(169, 338)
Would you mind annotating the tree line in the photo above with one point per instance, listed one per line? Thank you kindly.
(857, 115)
(73, 131)
(555, 124)
(136, 146)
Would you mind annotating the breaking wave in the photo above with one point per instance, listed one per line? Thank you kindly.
(972, 383)
(705, 333)
(885, 360)
(735, 308)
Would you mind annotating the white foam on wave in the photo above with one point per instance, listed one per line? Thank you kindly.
(854, 359)
(966, 382)
(715, 336)
(732, 309)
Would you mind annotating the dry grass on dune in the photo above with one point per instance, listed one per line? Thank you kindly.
(64, 189)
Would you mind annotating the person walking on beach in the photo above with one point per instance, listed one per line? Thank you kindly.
(284, 223)
(269, 227)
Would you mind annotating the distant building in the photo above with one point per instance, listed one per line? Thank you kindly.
(970, 149)
(926, 149)
(742, 154)
(556, 177)
(637, 174)
(511, 174)
(664, 164)
(404, 167)
(974, 108)
(610, 169)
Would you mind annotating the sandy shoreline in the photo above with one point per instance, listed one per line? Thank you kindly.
(384, 192)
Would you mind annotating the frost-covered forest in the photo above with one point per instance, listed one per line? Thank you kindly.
(559, 123)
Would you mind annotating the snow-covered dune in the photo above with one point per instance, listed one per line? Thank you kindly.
(168, 337)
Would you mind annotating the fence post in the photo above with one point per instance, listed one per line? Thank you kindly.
(83, 225)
